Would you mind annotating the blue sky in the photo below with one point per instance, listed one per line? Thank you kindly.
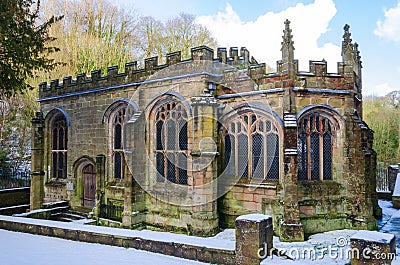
(317, 30)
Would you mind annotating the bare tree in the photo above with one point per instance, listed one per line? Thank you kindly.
(183, 33)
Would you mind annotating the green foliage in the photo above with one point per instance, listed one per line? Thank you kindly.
(23, 41)
(382, 114)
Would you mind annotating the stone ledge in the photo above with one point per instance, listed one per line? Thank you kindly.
(203, 254)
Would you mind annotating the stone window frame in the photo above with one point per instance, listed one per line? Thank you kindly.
(58, 115)
(118, 113)
(170, 109)
(250, 121)
(59, 146)
(325, 127)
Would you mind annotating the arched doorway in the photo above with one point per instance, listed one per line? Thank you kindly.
(89, 186)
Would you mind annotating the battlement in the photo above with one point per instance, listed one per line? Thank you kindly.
(348, 73)
(132, 73)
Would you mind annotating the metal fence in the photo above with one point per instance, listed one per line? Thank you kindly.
(15, 180)
(111, 212)
(382, 179)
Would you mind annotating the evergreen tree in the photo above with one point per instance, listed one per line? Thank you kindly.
(23, 44)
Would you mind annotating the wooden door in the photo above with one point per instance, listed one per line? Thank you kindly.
(89, 186)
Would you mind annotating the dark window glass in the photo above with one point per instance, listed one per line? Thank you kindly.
(327, 156)
(117, 165)
(159, 134)
(258, 156)
(315, 147)
(59, 147)
(171, 141)
(243, 159)
(273, 156)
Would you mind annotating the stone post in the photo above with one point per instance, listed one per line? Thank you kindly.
(136, 161)
(100, 180)
(204, 164)
(291, 228)
(254, 238)
(371, 247)
(37, 172)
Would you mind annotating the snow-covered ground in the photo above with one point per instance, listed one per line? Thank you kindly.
(26, 249)
(325, 248)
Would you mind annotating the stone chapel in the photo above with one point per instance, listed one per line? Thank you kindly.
(190, 145)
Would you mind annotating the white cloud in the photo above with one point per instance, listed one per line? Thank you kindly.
(389, 28)
(263, 36)
(380, 90)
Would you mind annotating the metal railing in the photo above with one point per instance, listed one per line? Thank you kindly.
(111, 212)
(15, 180)
(382, 179)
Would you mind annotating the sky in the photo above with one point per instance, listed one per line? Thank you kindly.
(317, 30)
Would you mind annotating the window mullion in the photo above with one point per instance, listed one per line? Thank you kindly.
(308, 148)
(249, 154)
(265, 156)
(321, 156)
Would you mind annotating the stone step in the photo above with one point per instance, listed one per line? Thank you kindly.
(49, 205)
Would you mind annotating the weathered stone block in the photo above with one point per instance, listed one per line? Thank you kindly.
(371, 247)
(254, 234)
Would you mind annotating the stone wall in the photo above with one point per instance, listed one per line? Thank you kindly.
(14, 197)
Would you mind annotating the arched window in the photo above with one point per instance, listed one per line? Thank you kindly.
(251, 146)
(171, 143)
(59, 141)
(118, 118)
(315, 147)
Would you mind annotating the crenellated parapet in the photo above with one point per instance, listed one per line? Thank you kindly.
(348, 76)
(132, 74)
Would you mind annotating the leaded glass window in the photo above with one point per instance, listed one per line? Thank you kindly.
(118, 118)
(251, 146)
(315, 147)
(59, 147)
(171, 141)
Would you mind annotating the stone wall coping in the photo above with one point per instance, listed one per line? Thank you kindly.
(14, 189)
(253, 217)
(373, 236)
(211, 243)
(251, 93)
(321, 90)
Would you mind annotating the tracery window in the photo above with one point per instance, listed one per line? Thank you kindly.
(59, 147)
(315, 147)
(117, 150)
(171, 143)
(251, 146)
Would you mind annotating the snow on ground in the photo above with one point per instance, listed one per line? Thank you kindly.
(145, 234)
(26, 249)
(324, 248)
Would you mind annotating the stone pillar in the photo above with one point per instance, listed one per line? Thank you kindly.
(254, 238)
(371, 247)
(100, 180)
(37, 172)
(204, 164)
(136, 159)
(291, 228)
